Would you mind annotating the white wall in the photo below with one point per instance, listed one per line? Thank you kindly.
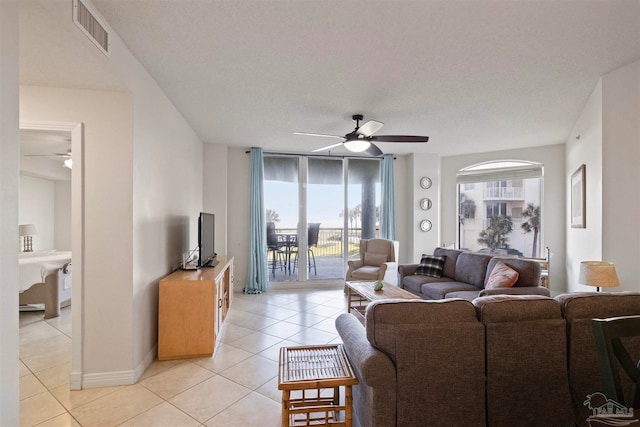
(9, 161)
(147, 191)
(584, 146)
(62, 216)
(621, 174)
(239, 177)
(215, 173)
(108, 220)
(553, 209)
(403, 187)
(609, 146)
(417, 241)
(37, 207)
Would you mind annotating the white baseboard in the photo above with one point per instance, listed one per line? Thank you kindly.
(108, 379)
(75, 380)
(148, 360)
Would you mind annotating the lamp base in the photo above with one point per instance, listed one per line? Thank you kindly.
(27, 246)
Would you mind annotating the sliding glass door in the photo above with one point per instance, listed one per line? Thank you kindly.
(281, 178)
(325, 203)
(318, 209)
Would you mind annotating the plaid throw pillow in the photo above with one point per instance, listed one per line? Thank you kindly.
(431, 265)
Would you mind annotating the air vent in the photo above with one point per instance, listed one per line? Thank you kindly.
(85, 17)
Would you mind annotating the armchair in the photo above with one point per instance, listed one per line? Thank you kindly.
(378, 261)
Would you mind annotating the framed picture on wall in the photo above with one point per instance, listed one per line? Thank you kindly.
(578, 198)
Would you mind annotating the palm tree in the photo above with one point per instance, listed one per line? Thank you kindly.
(272, 215)
(495, 235)
(532, 223)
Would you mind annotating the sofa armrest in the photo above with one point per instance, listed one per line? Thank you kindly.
(374, 399)
(354, 264)
(405, 270)
(390, 273)
(524, 290)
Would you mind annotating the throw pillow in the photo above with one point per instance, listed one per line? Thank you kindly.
(502, 276)
(374, 260)
(431, 265)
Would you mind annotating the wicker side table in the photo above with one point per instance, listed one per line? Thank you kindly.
(312, 370)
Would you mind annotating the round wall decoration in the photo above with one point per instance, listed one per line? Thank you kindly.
(425, 182)
(425, 204)
(425, 225)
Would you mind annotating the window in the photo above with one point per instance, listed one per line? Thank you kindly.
(499, 207)
(495, 209)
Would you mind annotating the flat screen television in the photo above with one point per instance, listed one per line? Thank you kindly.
(206, 240)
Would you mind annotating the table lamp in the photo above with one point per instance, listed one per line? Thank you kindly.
(598, 274)
(27, 231)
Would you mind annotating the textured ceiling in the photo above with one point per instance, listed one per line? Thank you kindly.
(472, 75)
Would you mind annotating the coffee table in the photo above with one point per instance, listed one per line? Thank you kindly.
(360, 294)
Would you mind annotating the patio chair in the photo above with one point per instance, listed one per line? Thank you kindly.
(273, 248)
(618, 345)
(313, 231)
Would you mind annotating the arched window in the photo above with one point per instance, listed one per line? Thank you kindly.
(500, 207)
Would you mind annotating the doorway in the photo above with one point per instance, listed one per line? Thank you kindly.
(76, 133)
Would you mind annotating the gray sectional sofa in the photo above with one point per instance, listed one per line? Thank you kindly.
(465, 274)
(505, 360)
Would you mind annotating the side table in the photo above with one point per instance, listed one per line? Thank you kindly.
(310, 370)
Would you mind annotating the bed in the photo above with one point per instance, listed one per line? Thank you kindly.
(45, 279)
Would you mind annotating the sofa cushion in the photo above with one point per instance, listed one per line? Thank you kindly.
(528, 271)
(375, 260)
(438, 290)
(431, 265)
(438, 350)
(502, 276)
(467, 295)
(526, 360)
(413, 283)
(366, 272)
(450, 260)
(471, 268)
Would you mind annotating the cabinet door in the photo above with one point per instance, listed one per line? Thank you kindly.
(219, 307)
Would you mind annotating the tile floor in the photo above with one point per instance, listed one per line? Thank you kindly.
(237, 387)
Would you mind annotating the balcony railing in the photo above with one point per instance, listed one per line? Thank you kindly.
(330, 241)
(504, 193)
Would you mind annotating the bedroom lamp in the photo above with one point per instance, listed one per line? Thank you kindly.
(27, 231)
(598, 274)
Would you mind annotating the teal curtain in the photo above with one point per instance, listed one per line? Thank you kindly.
(257, 276)
(387, 202)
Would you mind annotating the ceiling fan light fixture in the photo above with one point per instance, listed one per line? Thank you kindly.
(357, 145)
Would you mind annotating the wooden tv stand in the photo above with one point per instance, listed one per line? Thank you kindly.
(192, 305)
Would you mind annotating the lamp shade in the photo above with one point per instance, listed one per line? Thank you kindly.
(598, 273)
(27, 230)
(357, 145)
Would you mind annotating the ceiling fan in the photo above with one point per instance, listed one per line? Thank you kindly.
(68, 162)
(65, 155)
(361, 138)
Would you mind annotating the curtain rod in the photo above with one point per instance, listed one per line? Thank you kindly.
(318, 155)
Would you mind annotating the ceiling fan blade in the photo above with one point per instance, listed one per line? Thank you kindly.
(369, 128)
(373, 150)
(318, 134)
(47, 155)
(328, 147)
(399, 138)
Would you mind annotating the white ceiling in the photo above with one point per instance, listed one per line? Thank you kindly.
(473, 75)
